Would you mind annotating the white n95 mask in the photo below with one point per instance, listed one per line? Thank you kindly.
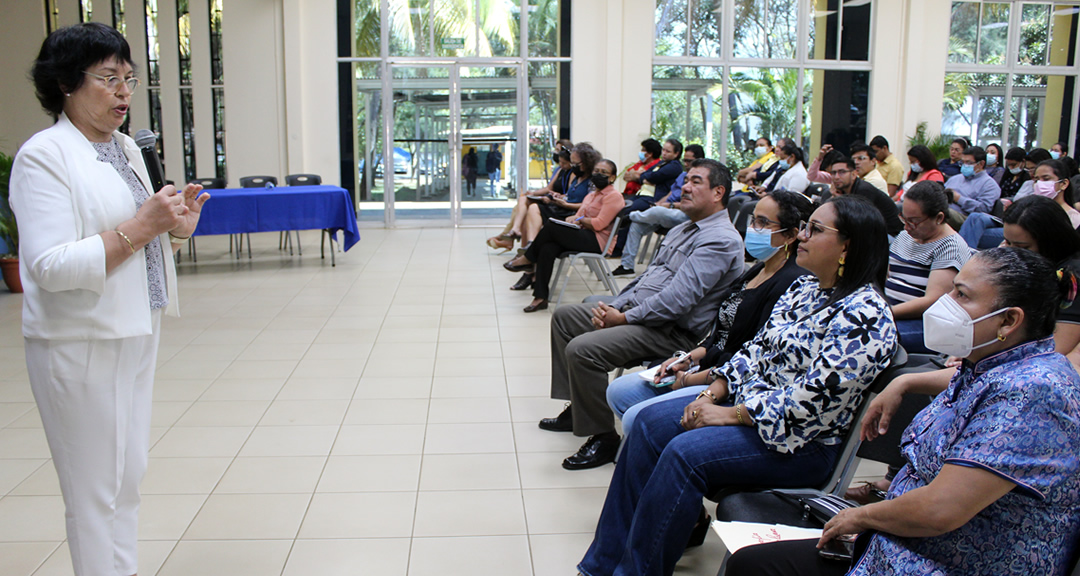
(949, 329)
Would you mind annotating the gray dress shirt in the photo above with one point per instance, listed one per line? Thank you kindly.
(683, 284)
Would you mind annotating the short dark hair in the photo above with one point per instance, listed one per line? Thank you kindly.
(924, 157)
(1029, 281)
(676, 145)
(652, 147)
(67, 53)
(963, 142)
(1016, 154)
(867, 260)
(1048, 224)
(768, 142)
(696, 150)
(793, 208)
(1064, 147)
(1062, 172)
(879, 141)
(976, 152)
(841, 159)
(930, 196)
(859, 146)
(564, 154)
(719, 175)
(1037, 155)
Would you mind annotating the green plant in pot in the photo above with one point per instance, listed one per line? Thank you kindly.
(9, 230)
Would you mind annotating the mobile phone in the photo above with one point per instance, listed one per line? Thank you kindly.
(840, 548)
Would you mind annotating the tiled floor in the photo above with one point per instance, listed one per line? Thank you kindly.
(374, 418)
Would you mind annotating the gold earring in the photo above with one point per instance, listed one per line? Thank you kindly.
(1000, 337)
(840, 271)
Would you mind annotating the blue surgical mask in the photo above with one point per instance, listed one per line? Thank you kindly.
(759, 243)
(641, 156)
(991, 159)
(783, 164)
(915, 167)
(1055, 155)
(967, 170)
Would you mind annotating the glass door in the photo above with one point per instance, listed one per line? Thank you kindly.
(452, 132)
(424, 173)
(489, 140)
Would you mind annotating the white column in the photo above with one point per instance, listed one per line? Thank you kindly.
(202, 94)
(910, 48)
(169, 64)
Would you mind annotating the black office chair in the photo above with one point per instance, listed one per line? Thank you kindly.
(303, 180)
(251, 182)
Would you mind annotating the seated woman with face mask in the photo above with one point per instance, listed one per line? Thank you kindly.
(992, 480)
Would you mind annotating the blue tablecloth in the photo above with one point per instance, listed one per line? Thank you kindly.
(245, 210)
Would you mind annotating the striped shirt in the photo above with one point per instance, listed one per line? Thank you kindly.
(910, 264)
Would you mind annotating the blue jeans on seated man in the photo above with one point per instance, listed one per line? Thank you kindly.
(981, 231)
(646, 222)
(655, 493)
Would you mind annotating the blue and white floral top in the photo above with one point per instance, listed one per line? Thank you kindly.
(802, 376)
(1015, 414)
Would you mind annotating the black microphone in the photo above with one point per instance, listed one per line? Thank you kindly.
(146, 141)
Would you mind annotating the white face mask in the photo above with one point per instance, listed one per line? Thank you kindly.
(949, 329)
(760, 151)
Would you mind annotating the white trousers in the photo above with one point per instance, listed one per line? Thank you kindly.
(94, 397)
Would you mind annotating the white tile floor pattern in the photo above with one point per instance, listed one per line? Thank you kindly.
(374, 418)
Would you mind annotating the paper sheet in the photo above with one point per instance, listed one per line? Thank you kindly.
(738, 535)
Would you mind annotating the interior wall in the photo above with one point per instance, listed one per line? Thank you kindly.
(611, 96)
(21, 31)
(910, 48)
(311, 91)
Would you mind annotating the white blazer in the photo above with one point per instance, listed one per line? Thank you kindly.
(63, 197)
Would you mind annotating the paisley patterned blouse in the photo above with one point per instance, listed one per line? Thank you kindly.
(1015, 414)
(802, 377)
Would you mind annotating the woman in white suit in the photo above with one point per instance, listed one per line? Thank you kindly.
(96, 262)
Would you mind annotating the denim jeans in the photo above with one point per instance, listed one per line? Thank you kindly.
(646, 222)
(980, 231)
(656, 491)
(629, 394)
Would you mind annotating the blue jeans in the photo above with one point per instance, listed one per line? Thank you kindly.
(646, 222)
(629, 394)
(980, 231)
(656, 491)
(493, 181)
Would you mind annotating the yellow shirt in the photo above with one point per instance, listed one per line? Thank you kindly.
(892, 170)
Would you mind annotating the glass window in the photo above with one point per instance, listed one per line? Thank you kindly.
(687, 101)
(119, 20)
(671, 29)
(836, 108)
(706, 31)
(152, 46)
(183, 28)
(831, 42)
(187, 123)
(544, 29)
(766, 29)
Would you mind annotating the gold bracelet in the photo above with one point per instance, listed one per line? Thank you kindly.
(176, 238)
(707, 392)
(738, 414)
(126, 239)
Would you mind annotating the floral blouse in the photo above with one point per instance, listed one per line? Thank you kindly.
(802, 376)
(1015, 414)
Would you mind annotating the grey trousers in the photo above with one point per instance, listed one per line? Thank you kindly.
(582, 357)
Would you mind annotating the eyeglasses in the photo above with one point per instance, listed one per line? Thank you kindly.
(913, 222)
(760, 223)
(113, 82)
(808, 229)
(843, 172)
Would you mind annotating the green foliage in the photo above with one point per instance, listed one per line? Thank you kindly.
(9, 230)
(938, 144)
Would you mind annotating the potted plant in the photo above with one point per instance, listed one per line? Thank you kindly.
(9, 231)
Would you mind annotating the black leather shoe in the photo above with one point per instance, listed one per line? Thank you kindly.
(519, 267)
(524, 283)
(595, 452)
(564, 422)
(620, 271)
(534, 307)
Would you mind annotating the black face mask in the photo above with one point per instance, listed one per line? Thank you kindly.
(576, 169)
(555, 157)
(600, 181)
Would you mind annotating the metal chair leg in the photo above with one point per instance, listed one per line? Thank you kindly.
(566, 278)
